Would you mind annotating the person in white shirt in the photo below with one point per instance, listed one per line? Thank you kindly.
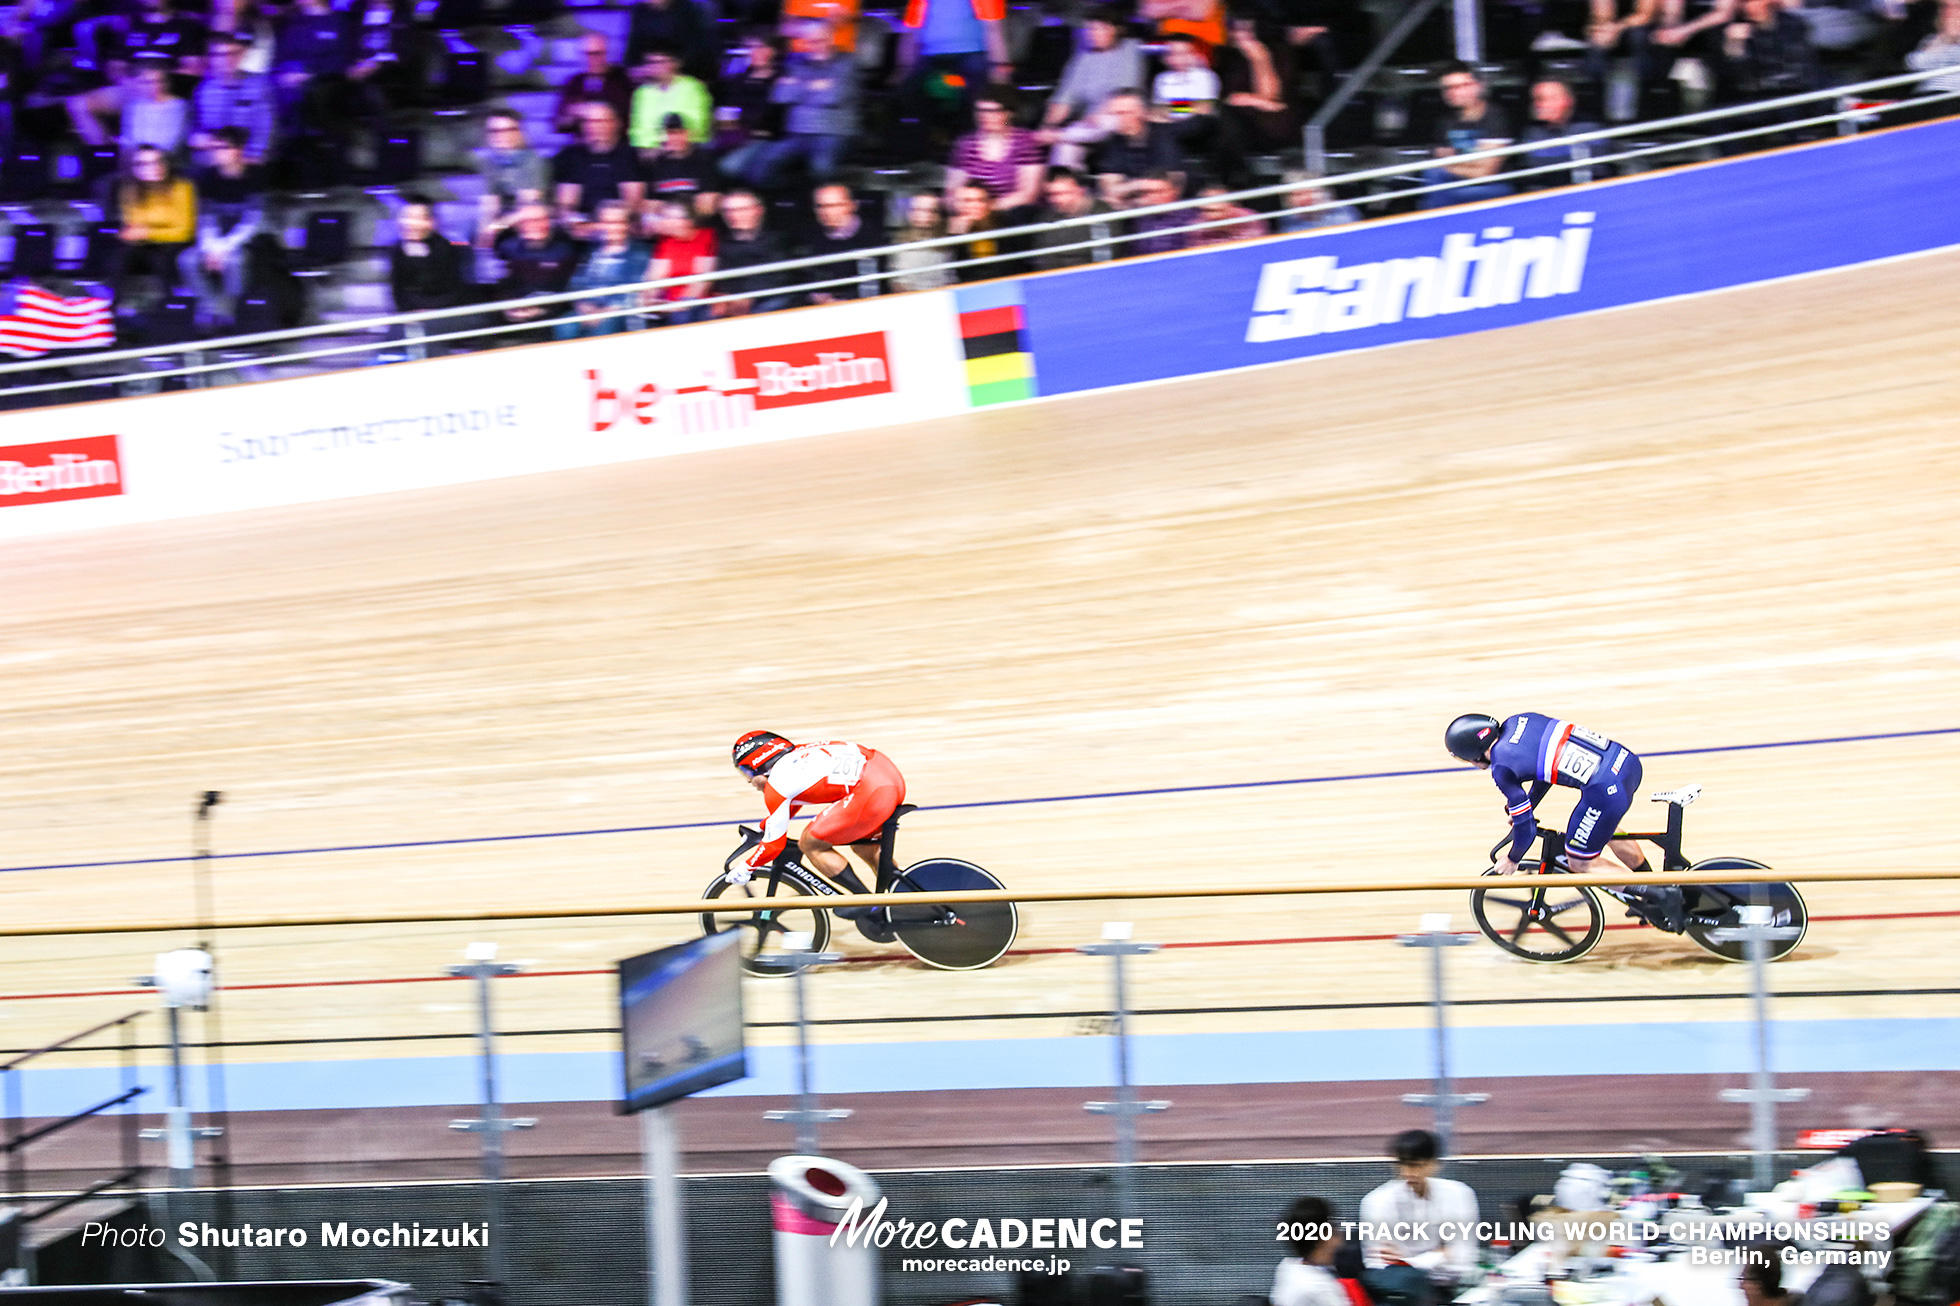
(1185, 95)
(1304, 1279)
(1187, 84)
(1417, 1266)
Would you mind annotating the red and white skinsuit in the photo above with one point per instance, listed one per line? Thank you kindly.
(861, 785)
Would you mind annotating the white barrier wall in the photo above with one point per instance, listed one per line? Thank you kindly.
(509, 412)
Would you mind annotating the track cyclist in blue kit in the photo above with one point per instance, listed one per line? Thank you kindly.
(1526, 755)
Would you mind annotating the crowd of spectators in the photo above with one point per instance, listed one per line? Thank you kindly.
(722, 135)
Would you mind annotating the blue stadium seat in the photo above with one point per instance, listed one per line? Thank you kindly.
(33, 254)
(325, 242)
(398, 157)
(25, 177)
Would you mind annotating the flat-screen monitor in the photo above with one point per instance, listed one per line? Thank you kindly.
(680, 1020)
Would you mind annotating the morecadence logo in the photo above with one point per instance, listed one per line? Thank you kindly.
(1041, 1233)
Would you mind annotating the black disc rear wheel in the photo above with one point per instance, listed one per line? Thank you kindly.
(959, 936)
(1718, 906)
(1534, 918)
(766, 919)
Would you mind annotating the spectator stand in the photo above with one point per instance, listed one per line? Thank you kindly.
(327, 266)
(330, 346)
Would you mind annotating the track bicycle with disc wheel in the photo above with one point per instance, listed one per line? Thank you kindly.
(1540, 921)
(791, 898)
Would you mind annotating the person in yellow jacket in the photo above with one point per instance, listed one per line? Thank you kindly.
(157, 210)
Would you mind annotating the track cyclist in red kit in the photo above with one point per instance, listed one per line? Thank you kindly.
(860, 784)
(1529, 753)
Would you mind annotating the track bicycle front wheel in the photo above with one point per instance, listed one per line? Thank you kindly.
(766, 918)
(1539, 921)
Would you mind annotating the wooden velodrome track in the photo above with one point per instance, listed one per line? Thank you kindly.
(1721, 521)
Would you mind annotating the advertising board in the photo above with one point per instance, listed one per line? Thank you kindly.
(510, 412)
(1479, 267)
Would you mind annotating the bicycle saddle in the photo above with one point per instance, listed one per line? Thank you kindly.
(904, 809)
(1679, 797)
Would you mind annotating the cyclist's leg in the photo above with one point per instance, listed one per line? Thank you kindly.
(1595, 817)
(856, 822)
(1627, 781)
(829, 859)
(1630, 853)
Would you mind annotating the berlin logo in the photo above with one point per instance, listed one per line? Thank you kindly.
(85, 468)
(816, 371)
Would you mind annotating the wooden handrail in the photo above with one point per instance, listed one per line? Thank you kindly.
(691, 906)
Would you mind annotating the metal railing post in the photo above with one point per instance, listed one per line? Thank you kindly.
(482, 966)
(1756, 932)
(807, 1116)
(1468, 19)
(666, 1227)
(1435, 935)
(16, 1126)
(1116, 945)
(132, 1122)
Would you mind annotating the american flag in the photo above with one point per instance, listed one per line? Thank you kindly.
(33, 321)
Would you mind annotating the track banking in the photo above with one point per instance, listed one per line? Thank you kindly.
(1320, 296)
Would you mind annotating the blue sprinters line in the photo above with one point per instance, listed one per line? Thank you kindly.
(951, 807)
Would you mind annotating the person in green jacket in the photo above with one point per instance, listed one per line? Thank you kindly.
(665, 89)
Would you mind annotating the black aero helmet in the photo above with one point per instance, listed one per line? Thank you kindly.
(758, 750)
(1470, 736)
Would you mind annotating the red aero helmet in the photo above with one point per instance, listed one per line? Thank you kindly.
(758, 750)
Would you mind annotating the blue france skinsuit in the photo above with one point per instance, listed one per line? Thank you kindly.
(1541, 751)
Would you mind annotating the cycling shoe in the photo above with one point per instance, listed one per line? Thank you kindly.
(872, 922)
(1664, 909)
(877, 927)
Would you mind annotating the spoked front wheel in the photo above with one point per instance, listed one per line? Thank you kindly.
(953, 936)
(1718, 906)
(1537, 920)
(766, 918)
